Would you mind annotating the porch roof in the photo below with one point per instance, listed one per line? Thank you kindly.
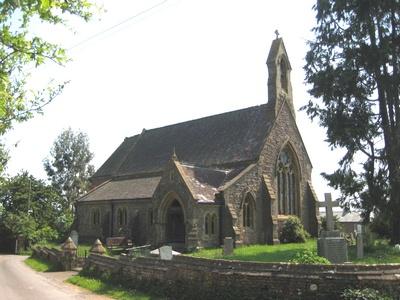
(136, 188)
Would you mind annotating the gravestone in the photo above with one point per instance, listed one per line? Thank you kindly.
(228, 246)
(360, 242)
(75, 237)
(330, 243)
(166, 253)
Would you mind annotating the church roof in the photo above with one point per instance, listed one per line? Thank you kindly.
(224, 139)
(138, 188)
(204, 183)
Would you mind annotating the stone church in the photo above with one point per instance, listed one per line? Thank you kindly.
(238, 174)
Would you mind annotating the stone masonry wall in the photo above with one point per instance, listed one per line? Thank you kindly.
(194, 278)
(56, 257)
(284, 133)
(136, 228)
(249, 183)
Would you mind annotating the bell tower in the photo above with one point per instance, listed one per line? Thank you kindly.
(279, 85)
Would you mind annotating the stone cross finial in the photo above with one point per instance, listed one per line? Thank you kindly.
(329, 204)
(277, 33)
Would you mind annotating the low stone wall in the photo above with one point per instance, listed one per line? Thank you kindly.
(56, 257)
(50, 254)
(195, 278)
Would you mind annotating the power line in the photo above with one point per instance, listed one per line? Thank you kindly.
(118, 24)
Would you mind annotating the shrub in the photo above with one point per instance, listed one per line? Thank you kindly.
(380, 225)
(369, 238)
(293, 231)
(364, 294)
(309, 257)
(336, 223)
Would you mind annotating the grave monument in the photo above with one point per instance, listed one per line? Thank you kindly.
(75, 237)
(331, 244)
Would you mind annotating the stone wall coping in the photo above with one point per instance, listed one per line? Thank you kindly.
(210, 278)
(255, 267)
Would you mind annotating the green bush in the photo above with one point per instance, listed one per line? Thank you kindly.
(336, 223)
(380, 225)
(309, 257)
(364, 294)
(293, 231)
(369, 238)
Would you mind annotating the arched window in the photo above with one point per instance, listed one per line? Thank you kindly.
(207, 224)
(283, 73)
(287, 182)
(96, 217)
(213, 224)
(248, 212)
(122, 216)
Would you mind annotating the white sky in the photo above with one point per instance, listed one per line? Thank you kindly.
(181, 60)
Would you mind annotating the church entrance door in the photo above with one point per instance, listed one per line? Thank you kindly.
(175, 225)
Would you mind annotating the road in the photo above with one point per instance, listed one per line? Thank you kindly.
(20, 282)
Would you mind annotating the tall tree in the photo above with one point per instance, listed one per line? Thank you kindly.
(22, 50)
(353, 68)
(31, 208)
(68, 167)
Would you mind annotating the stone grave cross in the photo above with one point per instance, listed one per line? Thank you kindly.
(329, 204)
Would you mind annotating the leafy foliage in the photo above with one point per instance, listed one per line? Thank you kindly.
(336, 223)
(68, 167)
(31, 208)
(309, 257)
(22, 50)
(353, 69)
(293, 231)
(364, 294)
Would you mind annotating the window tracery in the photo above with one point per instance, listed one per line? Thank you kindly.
(286, 183)
(122, 217)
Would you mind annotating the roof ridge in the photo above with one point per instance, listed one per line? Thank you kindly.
(205, 117)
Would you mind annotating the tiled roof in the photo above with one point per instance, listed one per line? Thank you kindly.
(227, 138)
(203, 182)
(139, 188)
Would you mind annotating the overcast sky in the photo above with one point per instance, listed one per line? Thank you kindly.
(169, 61)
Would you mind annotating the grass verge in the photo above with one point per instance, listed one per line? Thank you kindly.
(41, 265)
(104, 288)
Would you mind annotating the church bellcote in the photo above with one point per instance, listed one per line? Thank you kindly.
(279, 85)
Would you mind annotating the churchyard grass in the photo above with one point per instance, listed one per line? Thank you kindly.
(41, 265)
(260, 253)
(378, 253)
(101, 287)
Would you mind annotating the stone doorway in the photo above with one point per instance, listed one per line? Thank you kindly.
(175, 224)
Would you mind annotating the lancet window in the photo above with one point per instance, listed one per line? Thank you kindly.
(287, 183)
